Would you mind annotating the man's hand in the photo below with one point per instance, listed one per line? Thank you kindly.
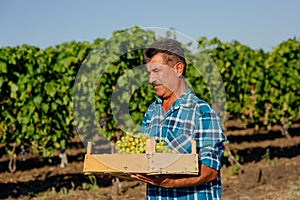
(166, 181)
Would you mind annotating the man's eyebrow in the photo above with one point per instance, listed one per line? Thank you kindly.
(152, 69)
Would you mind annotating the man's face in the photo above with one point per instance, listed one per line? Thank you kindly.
(163, 77)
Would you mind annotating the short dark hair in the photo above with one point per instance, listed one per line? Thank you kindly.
(170, 47)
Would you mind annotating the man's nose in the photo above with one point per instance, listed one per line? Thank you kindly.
(151, 77)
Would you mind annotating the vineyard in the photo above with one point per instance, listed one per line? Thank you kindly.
(50, 99)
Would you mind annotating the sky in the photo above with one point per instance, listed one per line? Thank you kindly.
(259, 24)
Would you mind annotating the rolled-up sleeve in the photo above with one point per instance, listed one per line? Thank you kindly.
(209, 136)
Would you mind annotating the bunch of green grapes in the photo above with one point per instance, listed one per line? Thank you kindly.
(160, 147)
(131, 143)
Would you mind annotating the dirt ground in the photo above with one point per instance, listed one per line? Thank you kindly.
(270, 170)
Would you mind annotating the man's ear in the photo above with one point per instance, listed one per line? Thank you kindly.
(179, 68)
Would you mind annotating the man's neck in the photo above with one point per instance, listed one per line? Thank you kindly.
(167, 103)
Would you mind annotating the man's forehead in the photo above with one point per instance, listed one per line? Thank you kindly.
(151, 66)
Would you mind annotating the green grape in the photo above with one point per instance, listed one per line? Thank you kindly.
(131, 143)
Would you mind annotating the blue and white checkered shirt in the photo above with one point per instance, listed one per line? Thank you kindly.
(189, 118)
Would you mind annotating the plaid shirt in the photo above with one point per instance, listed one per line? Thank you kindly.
(189, 118)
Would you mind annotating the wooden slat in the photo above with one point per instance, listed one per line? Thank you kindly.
(194, 151)
(150, 145)
(128, 163)
(89, 148)
(168, 163)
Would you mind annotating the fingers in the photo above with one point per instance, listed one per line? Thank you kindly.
(143, 178)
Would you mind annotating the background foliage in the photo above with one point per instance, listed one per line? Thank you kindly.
(37, 93)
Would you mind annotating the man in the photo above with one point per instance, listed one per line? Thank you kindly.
(178, 117)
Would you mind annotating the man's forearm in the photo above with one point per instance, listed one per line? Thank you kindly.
(207, 174)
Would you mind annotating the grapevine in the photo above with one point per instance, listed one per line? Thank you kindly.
(36, 88)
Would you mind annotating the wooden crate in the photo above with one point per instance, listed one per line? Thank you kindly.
(151, 162)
